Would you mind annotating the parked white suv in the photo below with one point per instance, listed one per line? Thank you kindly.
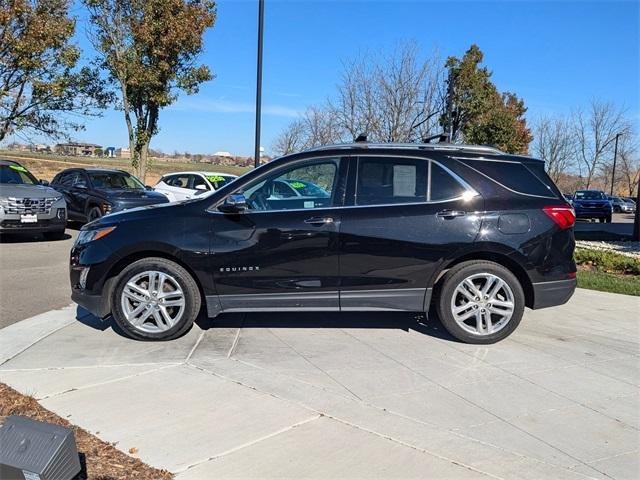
(184, 185)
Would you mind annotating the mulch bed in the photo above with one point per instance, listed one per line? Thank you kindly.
(100, 460)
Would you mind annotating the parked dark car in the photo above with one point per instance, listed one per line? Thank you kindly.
(28, 204)
(473, 232)
(592, 204)
(92, 192)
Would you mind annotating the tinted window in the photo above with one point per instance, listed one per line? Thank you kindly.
(443, 185)
(391, 180)
(16, 175)
(180, 181)
(75, 179)
(197, 180)
(514, 176)
(305, 186)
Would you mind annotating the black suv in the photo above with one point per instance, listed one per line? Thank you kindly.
(476, 233)
(93, 192)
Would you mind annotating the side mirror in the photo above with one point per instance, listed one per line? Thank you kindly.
(148, 187)
(201, 187)
(234, 203)
(81, 186)
(44, 183)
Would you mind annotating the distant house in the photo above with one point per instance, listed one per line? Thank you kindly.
(77, 149)
(123, 152)
(223, 154)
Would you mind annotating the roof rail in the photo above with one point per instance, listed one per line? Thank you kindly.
(421, 146)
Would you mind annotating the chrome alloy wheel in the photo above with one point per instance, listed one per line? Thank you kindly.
(152, 301)
(482, 304)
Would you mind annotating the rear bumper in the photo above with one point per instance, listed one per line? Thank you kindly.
(550, 294)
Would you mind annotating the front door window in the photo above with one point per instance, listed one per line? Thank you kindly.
(307, 186)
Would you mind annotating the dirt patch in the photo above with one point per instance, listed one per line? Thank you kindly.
(100, 460)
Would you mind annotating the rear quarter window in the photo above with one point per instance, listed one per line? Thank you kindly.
(516, 176)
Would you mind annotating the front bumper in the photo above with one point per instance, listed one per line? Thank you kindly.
(42, 225)
(97, 305)
(550, 294)
(592, 213)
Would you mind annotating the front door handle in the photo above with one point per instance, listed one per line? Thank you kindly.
(451, 213)
(318, 220)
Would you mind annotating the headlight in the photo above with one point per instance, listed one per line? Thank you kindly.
(87, 236)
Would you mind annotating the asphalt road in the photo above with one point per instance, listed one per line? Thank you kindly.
(33, 276)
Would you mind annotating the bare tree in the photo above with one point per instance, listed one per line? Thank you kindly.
(554, 143)
(629, 164)
(391, 98)
(595, 131)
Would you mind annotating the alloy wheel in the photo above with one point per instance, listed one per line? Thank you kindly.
(152, 301)
(482, 304)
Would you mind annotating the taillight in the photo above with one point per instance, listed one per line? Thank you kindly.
(563, 216)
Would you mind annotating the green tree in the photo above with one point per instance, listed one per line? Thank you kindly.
(149, 50)
(477, 112)
(41, 90)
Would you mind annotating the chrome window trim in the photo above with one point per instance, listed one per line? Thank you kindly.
(468, 189)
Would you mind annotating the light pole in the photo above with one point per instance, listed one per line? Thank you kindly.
(256, 157)
(615, 157)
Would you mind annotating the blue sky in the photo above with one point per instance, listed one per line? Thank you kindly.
(555, 55)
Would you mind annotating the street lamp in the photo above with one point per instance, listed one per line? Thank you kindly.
(256, 156)
(615, 157)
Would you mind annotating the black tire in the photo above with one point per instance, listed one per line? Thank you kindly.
(93, 214)
(57, 235)
(186, 283)
(602, 220)
(454, 277)
(608, 219)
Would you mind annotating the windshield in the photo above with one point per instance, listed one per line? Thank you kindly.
(219, 181)
(307, 189)
(16, 175)
(117, 180)
(590, 196)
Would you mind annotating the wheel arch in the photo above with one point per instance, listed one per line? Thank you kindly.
(131, 257)
(497, 257)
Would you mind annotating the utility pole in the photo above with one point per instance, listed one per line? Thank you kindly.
(615, 157)
(256, 157)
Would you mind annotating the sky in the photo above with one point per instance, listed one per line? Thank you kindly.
(555, 55)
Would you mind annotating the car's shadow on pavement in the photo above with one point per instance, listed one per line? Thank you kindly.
(29, 238)
(427, 325)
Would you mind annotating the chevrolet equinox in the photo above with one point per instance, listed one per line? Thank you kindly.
(476, 233)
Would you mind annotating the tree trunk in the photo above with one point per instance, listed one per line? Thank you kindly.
(636, 220)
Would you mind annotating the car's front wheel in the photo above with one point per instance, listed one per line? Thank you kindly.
(155, 299)
(480, 302)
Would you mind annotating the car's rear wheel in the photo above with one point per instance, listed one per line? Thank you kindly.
(155, 299)
(480, 302)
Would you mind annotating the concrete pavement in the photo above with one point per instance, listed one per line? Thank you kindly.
(359, 395)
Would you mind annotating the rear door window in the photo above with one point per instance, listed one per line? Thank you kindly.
(382, 181)
(443, 185)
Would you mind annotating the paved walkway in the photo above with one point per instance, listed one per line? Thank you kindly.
(371, 395)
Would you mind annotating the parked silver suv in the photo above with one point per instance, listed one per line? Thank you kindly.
(29, 205)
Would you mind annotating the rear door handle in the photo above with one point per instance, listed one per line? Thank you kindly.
(451, 213)
(318, 220)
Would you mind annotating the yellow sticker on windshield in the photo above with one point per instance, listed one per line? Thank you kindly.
(215, 178)
(18, 168)
(297, 184)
